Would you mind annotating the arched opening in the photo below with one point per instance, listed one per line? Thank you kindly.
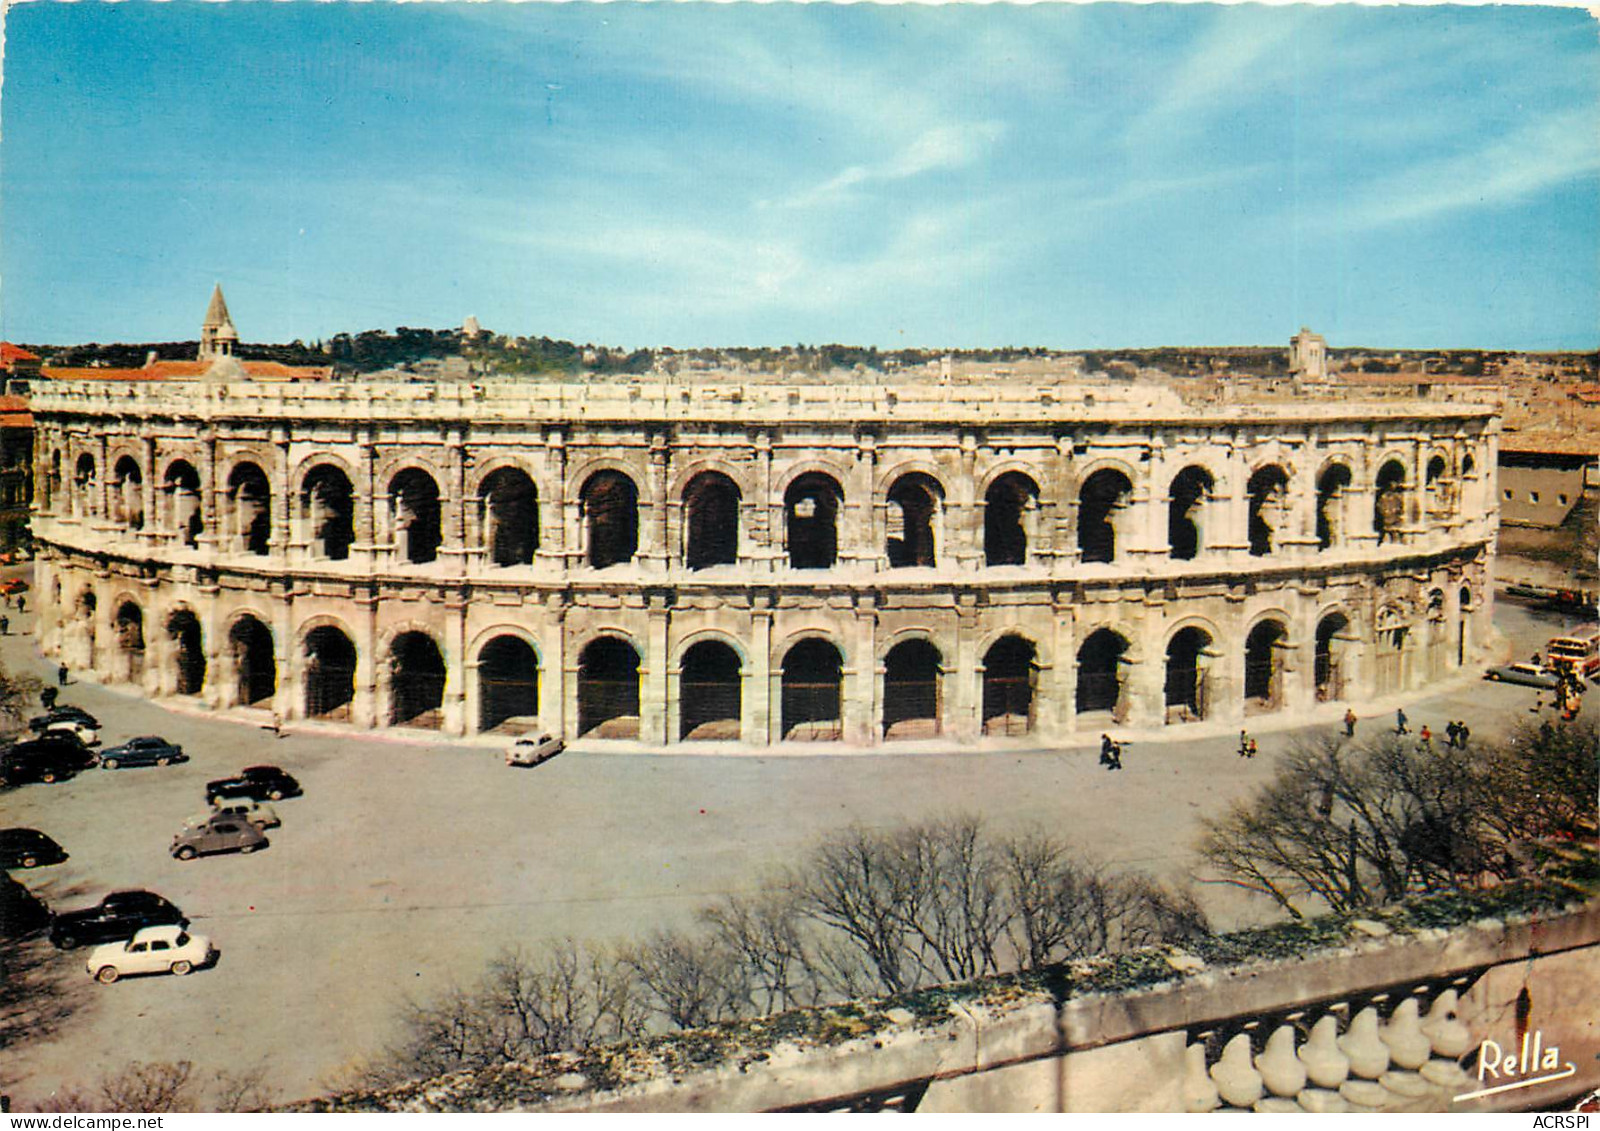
(508, 682)
(813, 679)
(184, 513)
(1438, 643)
(1436, 486)
(1187, 683)
(1464, 605)
(1332, 489)
(416, 681)
(608, 689)
(1009, 505)
(811, 515)
(610, 506)
(710, 521)
(83, 487)
(127, 493)
(1394, 640)
(914, 502)
(52, 483)
(80, 631)
(189, 652)
(1333, 633)
(1267, 490)
(1100, 672)
(1010, 671)
(1263, 669)
(330, 667)
(1191, 487)
(510, 517)
(911, 690)
(1389, 502)
(709, 701)
(127, 628)
(254, 660)
(414, 507)
(328, 514)
(250, 497)
(1104, 496)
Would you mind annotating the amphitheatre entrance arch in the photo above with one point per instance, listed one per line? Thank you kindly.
(813, 678)
(190, 658)
(254, 661)
(1010, 672)
(330, 673)
(508, 681)
(608, 689)
(709, 698)
(911, 690)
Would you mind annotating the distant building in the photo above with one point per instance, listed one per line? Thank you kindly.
(1308, 355)
(1541, 481)
(16, 471)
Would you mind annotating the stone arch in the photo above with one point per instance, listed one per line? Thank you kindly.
(127, 629)
(1389, 499)
(508, 679)
(1010, 680)
(912, 671)
(1438, 484)
(711, 505)
(51, 482)
(1188, 506)
(1335, 641)
(327, 511)
(508, 507)
(78, 636)
(737, 474)
(127, 485)
(811, 505)
(313, 465)
(250, 508)
(710, 690)
(1102, 498)
(189, 653)
(609, 506)
(1100, 660)
(1010, 518)
(329, 661)
(415, 515)
(608, 688)
(254, 655)
(914, 520)
(1333, 492)
(84, 486)
(812, 690)
(1263, 663)
(1268, 492)
(180, 489)
(1186, 682)
(416, 680)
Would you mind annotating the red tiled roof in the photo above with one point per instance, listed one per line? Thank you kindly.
(183, 370)
(10, 353)
(16, 420)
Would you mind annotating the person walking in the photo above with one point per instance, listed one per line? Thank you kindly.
(5, 626)
(1400, 721)
(22, 603)
(48, 697)
(1349, 722)
(1244, 744)
(1425, 739)
(61, 676)
(1462, 734)
(1250, 749)
(1450, 732)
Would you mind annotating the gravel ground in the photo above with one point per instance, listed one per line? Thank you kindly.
(407, 865)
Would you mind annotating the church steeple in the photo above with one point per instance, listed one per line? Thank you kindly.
(217, 335)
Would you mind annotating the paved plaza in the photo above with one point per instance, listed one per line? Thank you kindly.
(407, 864)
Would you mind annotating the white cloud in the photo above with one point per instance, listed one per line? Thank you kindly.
(941, 148)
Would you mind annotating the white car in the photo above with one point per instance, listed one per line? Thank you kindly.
(261, 816)
(530, 750)
(83, 732)
(154, 950)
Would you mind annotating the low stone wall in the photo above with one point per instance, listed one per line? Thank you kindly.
(1391, 1013)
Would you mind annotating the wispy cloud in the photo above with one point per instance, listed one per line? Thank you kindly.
(943, 148)
(1555, 150)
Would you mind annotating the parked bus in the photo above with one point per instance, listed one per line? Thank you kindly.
(1579, 651)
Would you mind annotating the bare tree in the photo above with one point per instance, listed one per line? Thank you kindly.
(768, 934)
(167, 1086)
(18, 693)
(692, 980)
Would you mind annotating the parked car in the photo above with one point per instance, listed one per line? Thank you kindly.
(146, 750)
(261, 816)
(118, 916)
(222, 833)
(259, 783)
(28, 848)
(154, 950)
(63, 711)
(49, 758)
(530, 750)
(1530, 675)
(77, 729)
(13, 585)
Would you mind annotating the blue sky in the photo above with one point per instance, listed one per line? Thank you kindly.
(690, 174)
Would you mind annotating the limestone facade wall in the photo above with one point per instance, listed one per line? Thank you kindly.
(1335, 551)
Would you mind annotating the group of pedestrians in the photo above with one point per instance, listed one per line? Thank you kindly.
(1110, 752)
(1456, 734)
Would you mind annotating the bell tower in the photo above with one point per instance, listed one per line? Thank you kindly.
(217, 335)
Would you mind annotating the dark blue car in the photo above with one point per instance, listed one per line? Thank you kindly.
(147, 750)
